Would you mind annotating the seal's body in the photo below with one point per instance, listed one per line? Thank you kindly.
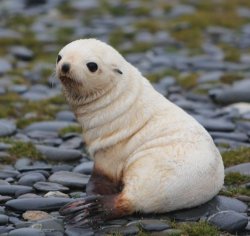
(149, 155)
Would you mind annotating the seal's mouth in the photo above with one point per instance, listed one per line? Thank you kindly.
(66, 80)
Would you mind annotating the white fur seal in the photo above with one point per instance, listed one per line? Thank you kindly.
(149, 155)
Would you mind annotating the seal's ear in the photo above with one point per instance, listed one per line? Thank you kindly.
(117, 71)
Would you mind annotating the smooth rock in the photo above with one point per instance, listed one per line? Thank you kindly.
(22, 53)
(35, 215)
(218, 203)
(84, 168)
(49, 186)
(50, 225)
(5, 229)
(236, 136)
(154, 225)
(3, 219)
(43, 204)
(59, 154)
(26, 232)
(243, 169)
(52, 126)
(40, 134)
(73, 143)
(124, 230)
(31, 178)
(238, 92)
(69, 179)
(5, 66)
(14, 190)
(229, 221)
(215, 124)
(65, 116)
(4, 174)
(7, 128)
(74, 231)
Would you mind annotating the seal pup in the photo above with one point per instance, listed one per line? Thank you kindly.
(149, 155)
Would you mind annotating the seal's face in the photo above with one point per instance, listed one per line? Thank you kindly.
(86, 66)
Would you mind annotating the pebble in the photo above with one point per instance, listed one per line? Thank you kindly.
(153, 225)
(218, 203)
(243, 169)
(52, 225)
(52, 126)
(43, 204)
(229, 221)
(56, 194)
(31, 178)
(5, 66)
(4, 174)
(70, 179)
(22, 53)
(26, 232)
(7, 128)
(3, 219)
(14, 190)
(59, 154)
(73, 143)
(65, 116)
(35, 215)
(49, 186)
(84, 168)
(216, 124)
(74, 231)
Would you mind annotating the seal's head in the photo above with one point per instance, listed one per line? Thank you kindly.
(87, 67)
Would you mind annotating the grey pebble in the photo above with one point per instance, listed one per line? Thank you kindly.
(84, 168)
(14, 190)
(49, 186)
(74, 231)
(52, 126)
(22, 53)
(52, 225)
(26, 232)
(218, 203)
(59, 154)
(65, 116)
(53, 203)
(7, 128)
(243, 169)
(31, 178)
(69, 179)
(154, 225)
(8, 173)
(5, 66)
(229, 221)
(3, 219)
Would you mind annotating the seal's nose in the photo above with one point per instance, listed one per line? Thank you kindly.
(65, 67)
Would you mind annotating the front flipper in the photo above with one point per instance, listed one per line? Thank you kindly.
(93, 210)
(85, 211)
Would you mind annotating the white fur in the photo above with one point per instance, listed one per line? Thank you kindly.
(165, 158)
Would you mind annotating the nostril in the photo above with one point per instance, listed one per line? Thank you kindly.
(65, 67)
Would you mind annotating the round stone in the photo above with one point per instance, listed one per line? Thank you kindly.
(70, 179)
(49, 186)
(3, 219)
(26, 232)
(229, 221)
(7, 128)
(31, 178)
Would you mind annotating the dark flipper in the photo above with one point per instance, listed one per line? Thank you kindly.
(85, 211)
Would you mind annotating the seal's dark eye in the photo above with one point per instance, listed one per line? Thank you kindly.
(92, 66)
(58, 58)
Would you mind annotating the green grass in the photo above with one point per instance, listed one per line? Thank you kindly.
(231, 78)
(197, 229)
(188, 81)
(20, 149)
(233, 191)
(238, 156)
(236, 178)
